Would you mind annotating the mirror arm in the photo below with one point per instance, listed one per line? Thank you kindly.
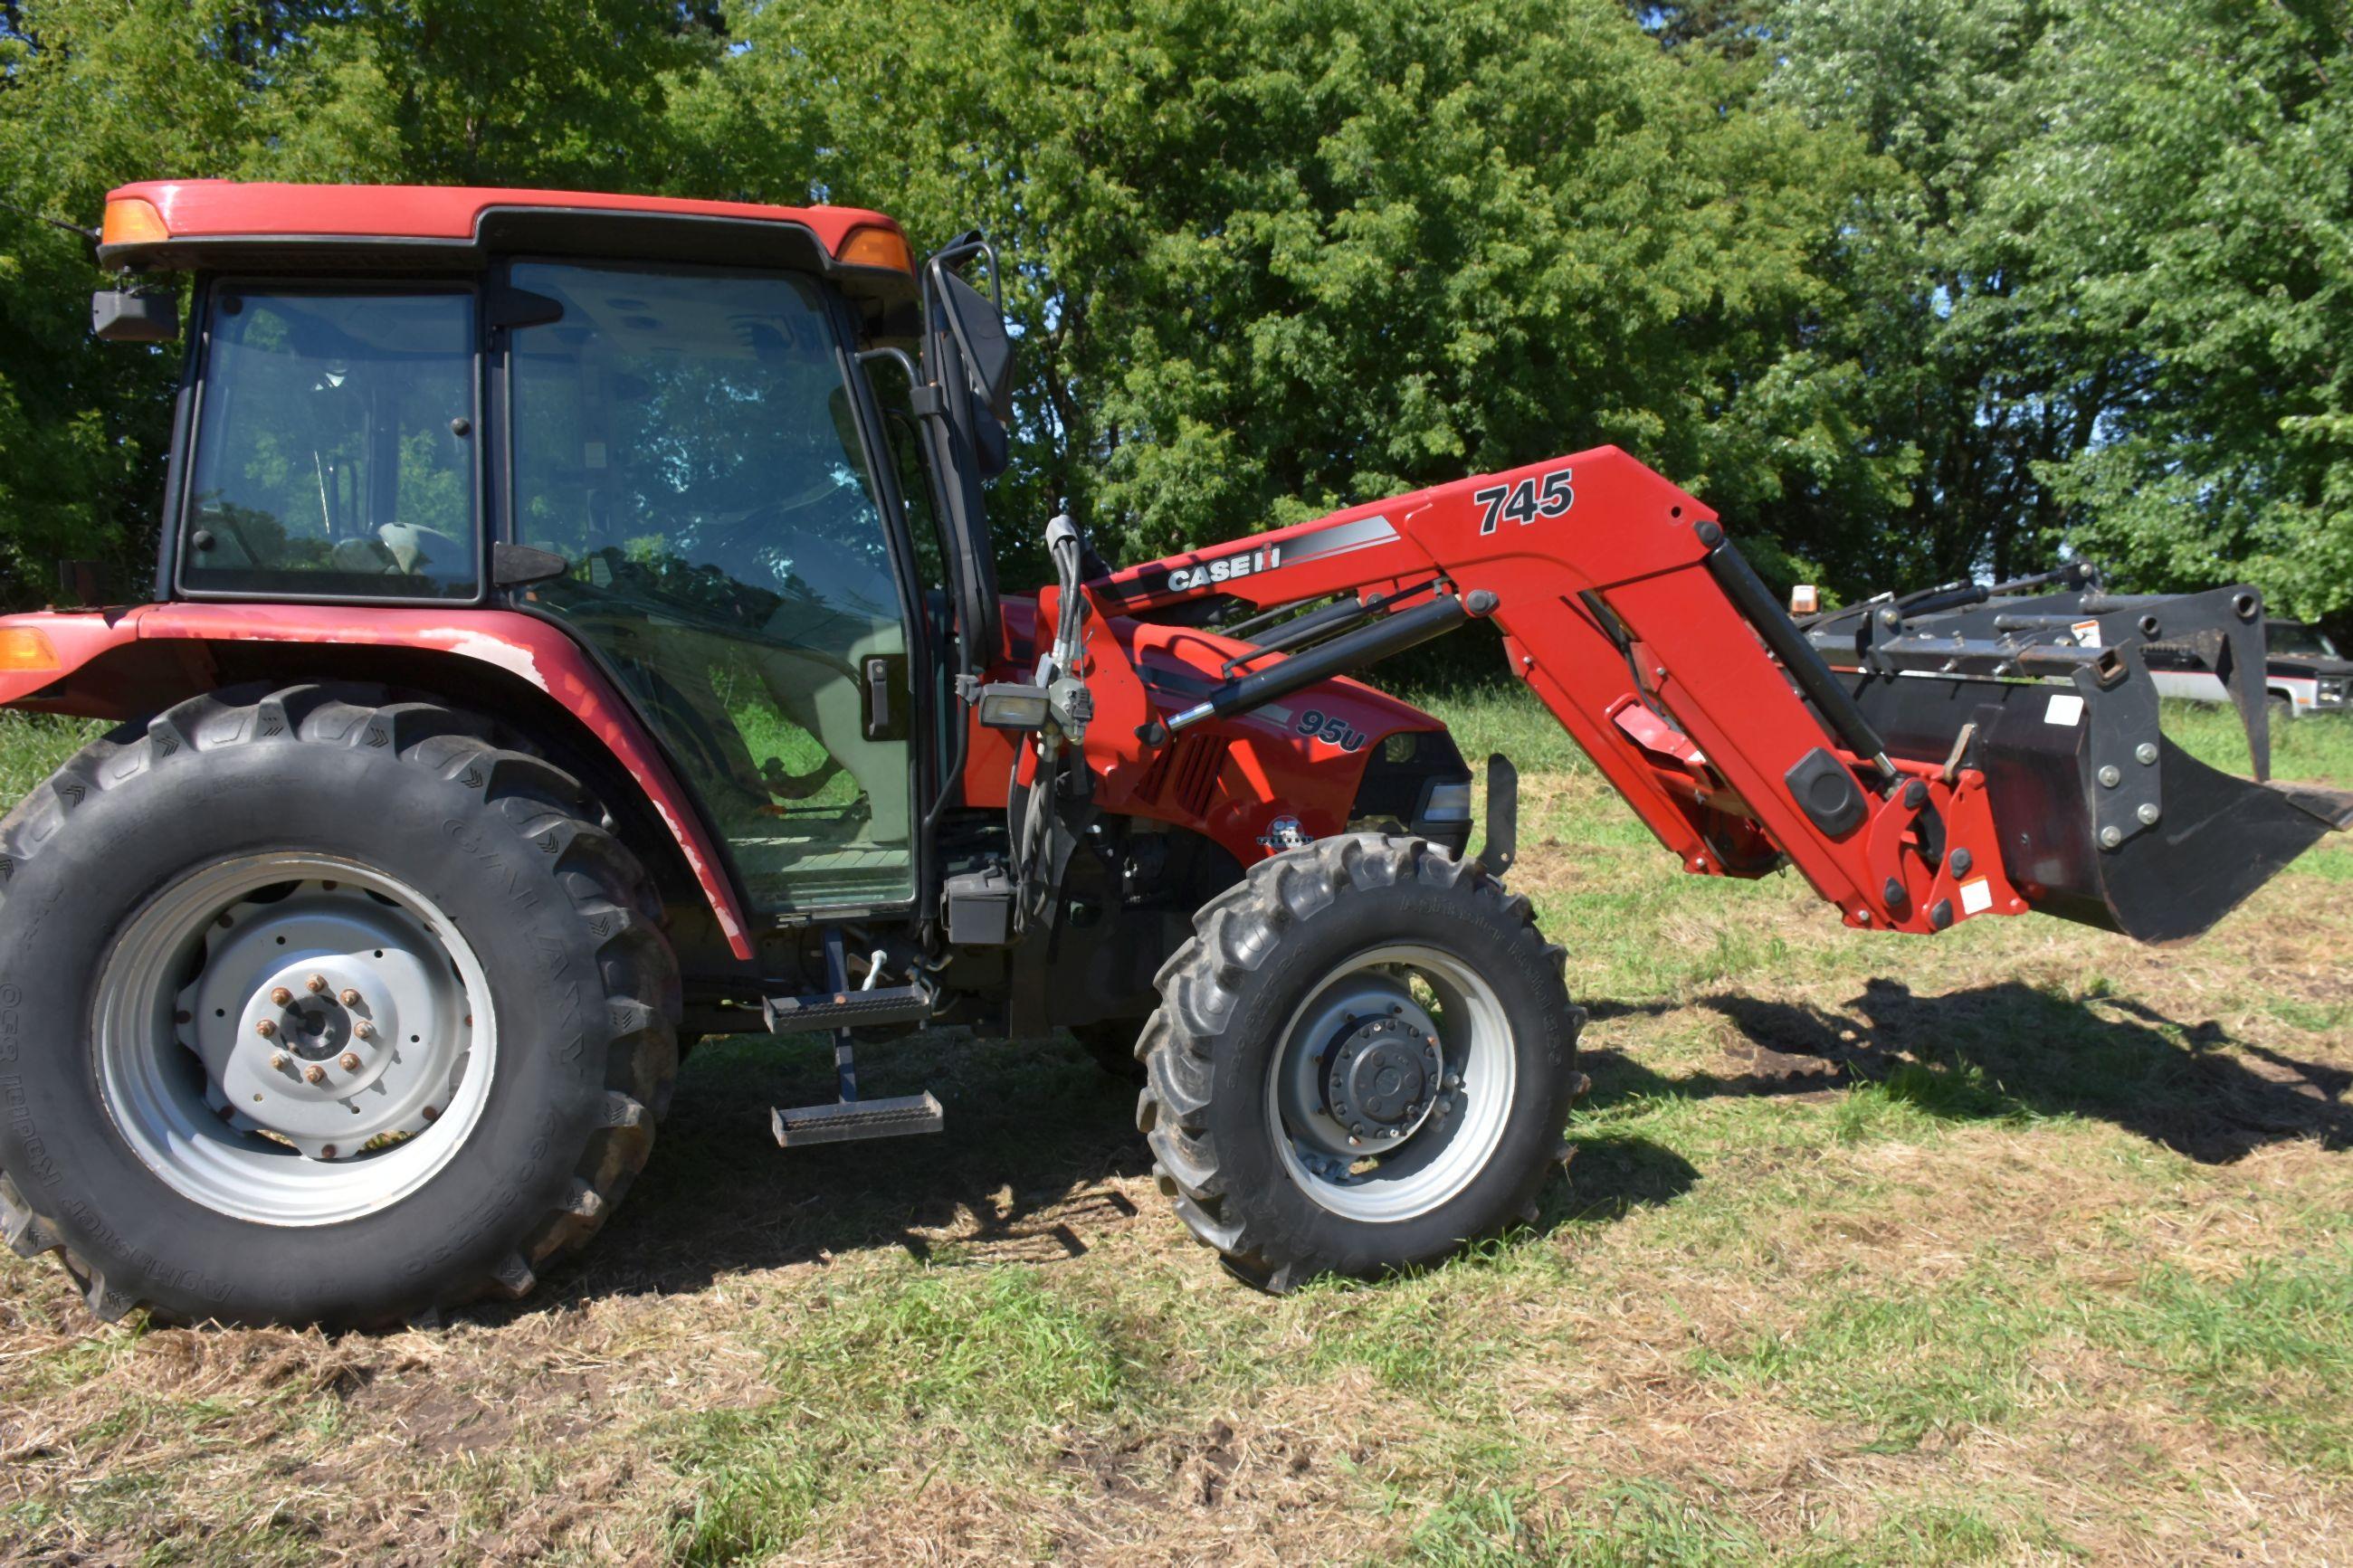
(924, 399)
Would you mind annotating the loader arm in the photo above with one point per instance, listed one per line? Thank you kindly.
(1634, 619)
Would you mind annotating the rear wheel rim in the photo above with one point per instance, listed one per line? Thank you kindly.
(1414, 1013)
(293, 1039)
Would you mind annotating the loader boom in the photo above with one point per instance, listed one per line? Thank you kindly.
(1634, 619)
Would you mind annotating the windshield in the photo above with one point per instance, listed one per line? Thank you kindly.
(2287, 637)
(335, 451)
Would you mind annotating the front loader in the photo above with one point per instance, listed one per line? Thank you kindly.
(576, 634)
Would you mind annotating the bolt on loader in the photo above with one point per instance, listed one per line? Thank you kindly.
(576, 633)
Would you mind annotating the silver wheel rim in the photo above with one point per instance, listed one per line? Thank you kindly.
(293, 1039)
(1398, 998)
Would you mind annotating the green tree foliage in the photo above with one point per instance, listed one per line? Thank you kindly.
(2194, 209)
(1270, 260)
(2111, 302)
(1910, 288)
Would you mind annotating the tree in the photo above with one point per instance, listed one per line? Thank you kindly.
(1930, 288)
(2111, 303)
(2194, 209)
(1277, 258)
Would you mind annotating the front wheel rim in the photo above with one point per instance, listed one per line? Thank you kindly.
(1435, 1017)
(293, 1039)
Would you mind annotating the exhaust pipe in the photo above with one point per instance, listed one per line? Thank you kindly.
(2103, 820)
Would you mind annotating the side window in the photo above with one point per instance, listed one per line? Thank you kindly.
(685, 439)
(336, 448)
(891, 390)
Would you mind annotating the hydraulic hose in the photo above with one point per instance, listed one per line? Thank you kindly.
(1393, 633)
(1755, 602)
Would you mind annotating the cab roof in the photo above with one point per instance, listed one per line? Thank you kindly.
(181, 224)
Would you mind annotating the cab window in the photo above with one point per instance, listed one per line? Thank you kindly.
(685, 439)
(334, 449)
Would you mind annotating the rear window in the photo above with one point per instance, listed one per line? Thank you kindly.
(334, 452)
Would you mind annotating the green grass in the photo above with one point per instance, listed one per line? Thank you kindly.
(2019, 1243)
(32, 747)
(2318, 748)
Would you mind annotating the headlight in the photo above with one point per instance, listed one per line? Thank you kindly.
(1416, 782)
(1446, 803)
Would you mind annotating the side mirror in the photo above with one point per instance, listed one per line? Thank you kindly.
(980, 333)
(121, 316)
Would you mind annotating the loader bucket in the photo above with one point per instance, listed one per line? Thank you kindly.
(2104, 820)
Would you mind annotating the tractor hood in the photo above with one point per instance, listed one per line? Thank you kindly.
(1326, 758)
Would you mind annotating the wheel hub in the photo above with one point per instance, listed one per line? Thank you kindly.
(326, 1020)
(1379, 1080)
(1390, 1088)
(293, 1039)
(1363, 1074)
(314, 1031)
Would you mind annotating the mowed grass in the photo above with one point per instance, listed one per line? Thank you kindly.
(2018, 1244)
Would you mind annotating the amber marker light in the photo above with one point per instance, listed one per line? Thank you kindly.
(23, 649)
(131, 220)
(873, 247)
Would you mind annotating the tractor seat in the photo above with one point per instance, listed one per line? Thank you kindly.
(398, 549)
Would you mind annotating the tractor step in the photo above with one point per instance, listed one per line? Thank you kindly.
(847, 1009)
(846, 1120)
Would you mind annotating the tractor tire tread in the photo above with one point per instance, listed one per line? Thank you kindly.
(1236, 934)
(549, 810)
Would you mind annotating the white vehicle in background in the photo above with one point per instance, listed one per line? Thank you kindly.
(2304, 674)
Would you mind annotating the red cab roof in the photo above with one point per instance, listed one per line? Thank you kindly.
(214, 209)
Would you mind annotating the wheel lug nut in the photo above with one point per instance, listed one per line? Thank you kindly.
(278, 1061)
(314, 1073)
(350, 998)
(327, 1151)
(283, 997)
(265, 1029)
(315, 984)
(349, 1061)
(363, 1030)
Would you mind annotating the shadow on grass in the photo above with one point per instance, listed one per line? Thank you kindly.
(1036, 1135)
(2006, 1050)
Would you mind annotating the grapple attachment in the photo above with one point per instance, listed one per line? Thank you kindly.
(2043, 686)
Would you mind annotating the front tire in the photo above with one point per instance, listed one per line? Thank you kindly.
(1363, 1060)
(321, 1009)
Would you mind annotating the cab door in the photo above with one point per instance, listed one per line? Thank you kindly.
(685, 438)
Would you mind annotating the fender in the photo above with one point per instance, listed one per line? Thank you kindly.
(40, 673)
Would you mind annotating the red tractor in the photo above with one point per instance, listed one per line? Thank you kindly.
(576, 633)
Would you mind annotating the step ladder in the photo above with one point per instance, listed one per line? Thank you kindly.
(840, 1009)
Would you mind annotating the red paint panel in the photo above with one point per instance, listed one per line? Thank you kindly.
(1539, 538)
(1228, 779)
(197, 209)
(527, 649)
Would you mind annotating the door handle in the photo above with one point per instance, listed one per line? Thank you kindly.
(878, 698)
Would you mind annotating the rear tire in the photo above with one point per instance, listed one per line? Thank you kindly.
(485, 888)
(1297, 980)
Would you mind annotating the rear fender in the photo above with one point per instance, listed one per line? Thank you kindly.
(125, 665)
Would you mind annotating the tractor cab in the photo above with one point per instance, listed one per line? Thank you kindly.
(682, 432)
